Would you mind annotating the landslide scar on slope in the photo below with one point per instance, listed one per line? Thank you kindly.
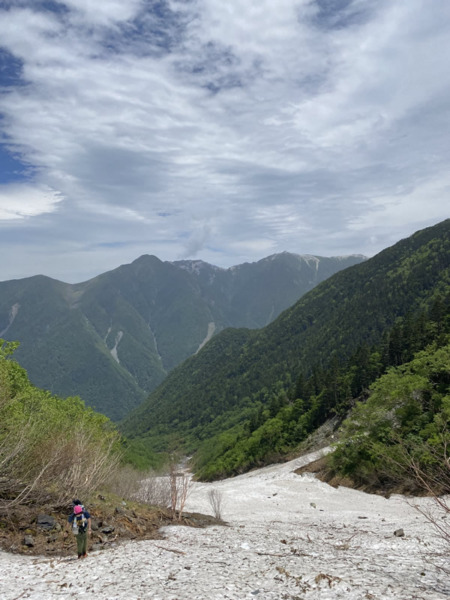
(12, 315)
(210, 333)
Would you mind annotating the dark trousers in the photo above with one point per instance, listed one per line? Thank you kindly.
(82, 543)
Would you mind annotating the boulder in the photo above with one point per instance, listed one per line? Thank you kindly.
(108, 529)
(47, 522)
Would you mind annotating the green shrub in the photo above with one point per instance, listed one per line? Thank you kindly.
(51, 448)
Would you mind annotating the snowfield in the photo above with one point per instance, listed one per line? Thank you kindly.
(289, 537)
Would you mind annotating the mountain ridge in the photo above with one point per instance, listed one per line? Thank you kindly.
(113, 338)
(239, 368)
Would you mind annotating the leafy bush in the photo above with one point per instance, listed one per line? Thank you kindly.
(51, 449)
(401, 434)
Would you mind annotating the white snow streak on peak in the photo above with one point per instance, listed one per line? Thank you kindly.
(12, 315)
(113, 351)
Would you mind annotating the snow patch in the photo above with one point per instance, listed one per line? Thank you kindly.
(196, 266)
(287, 537)
(210, 333)
(12, 315)
(116, 345)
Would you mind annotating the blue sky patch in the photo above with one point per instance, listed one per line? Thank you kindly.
(338, 14)
(10, 69)
(12, 170)
(54, 6)
(155, 32)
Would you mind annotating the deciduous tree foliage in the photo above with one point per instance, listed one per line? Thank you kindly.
(403, 428)
(51, 448)
(314, 359)
(278, 425)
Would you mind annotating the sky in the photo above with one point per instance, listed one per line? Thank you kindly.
(220, 131)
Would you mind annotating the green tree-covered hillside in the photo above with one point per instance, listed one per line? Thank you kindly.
(401, 435)
(114, 338)
(279, 426)
(217, 390)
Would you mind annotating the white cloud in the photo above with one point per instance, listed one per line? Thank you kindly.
(106, 12)
(216, 127)
(18, 201)
(390, 210)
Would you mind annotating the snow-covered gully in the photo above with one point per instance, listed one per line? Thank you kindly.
(289, 537)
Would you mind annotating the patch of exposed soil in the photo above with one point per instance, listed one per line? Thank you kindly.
(22, 530)
(323, 472)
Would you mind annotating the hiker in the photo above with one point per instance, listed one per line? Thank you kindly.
(80, 520)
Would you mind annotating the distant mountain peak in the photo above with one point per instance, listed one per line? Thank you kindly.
(195, 266)
(132, 325)
(146, 258)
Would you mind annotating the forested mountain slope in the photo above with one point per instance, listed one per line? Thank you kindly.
(114, 338)
(220, 386)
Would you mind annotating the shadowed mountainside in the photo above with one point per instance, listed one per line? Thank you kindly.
(114, 338)
(217, 389)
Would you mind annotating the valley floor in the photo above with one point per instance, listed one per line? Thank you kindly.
(289, 537)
